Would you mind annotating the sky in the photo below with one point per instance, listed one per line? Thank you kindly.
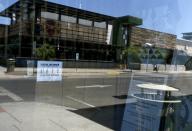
(170, 16)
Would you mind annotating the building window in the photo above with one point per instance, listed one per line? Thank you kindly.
(68, 19)
(32, 15)
(85, 22)
(100, 24)
(49, 15)
(109, 34)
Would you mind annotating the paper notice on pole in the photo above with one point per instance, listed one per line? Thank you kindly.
(49, 71)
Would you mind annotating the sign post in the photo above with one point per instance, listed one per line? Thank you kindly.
(30, 67)
(76, 59)
(34, 48)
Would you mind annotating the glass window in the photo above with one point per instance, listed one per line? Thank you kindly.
(109, 34)
(85, 22)
(5, 20)
(49, 15)
(68, 19)
(100, 24)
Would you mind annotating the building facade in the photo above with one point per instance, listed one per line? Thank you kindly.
(187, 36)
(69, 30)
(183, 52)
(184, 47)
(72, 31)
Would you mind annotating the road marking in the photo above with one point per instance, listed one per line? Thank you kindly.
(93, 86)
(79, 101)
(4, 92)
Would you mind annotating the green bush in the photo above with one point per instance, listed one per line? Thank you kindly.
(45, 52)
(132, 53)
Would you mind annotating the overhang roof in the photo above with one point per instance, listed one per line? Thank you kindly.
(56, 8)
(67, 10)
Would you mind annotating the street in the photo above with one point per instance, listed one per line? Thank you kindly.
(99, 99)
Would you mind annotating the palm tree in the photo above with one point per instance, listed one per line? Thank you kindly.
(45, 52)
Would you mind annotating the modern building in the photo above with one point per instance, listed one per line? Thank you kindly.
(71, 31)
(183, 53)
(184, 47)
(187, 36)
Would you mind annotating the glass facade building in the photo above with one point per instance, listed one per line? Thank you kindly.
(103, 66)
(69, 30)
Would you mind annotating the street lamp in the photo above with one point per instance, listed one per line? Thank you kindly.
(148, 46)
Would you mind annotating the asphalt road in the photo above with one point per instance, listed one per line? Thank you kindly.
(96, 91)
(101, 99)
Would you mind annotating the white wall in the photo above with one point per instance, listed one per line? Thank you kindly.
(162, 67)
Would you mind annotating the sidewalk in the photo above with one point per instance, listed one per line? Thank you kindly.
(67, 72)
(84, 72)
(32, 116)
(162, 72)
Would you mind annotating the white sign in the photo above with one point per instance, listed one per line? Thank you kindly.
(77, 56)
(49, 71)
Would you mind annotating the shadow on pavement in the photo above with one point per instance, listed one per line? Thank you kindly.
(108, 116)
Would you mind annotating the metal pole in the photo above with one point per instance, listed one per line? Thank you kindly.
(176, 59)
(147, 60)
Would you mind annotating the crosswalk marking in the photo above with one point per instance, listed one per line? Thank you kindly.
(93, 86)
(80, 101)
(4, 92)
